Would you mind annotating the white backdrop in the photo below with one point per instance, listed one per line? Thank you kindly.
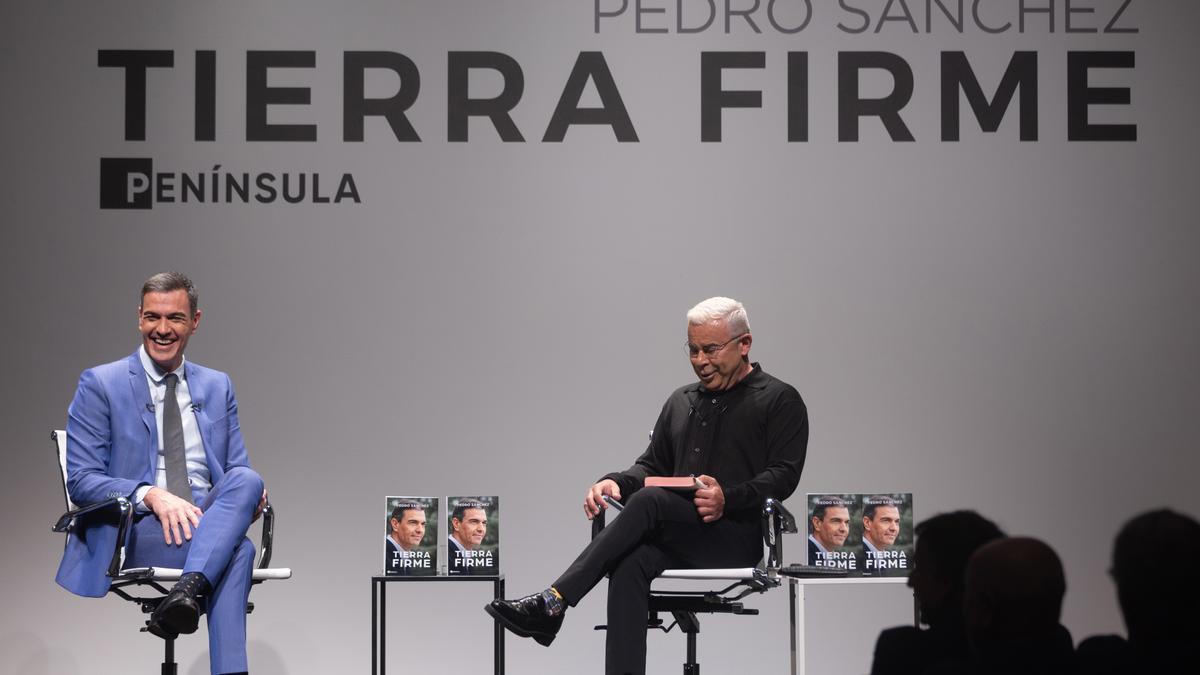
(993, 324)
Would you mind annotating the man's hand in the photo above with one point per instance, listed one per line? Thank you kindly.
(177, 516)
(594, 502)
(262, 504)
(710, 500)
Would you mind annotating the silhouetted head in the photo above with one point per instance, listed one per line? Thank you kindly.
(1152, 567)
(1014, 591)
(944, 544)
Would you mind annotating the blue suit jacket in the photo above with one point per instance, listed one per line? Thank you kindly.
(112, 450)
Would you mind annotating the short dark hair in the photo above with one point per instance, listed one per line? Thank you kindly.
(824, 503)
(1157, 596)
(1013, 590)
(165, 282)
(947, 541)
(870, 504)
(461, 506)
(399, 509)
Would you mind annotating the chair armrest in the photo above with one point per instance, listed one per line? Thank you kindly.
(598, 523)
(67, 522)
(776, 521)
(775, 509)
(268, 535)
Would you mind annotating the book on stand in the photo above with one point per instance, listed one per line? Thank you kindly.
(410, 542)
(866, 534)
(831, 541)
(473, 535)
(887, 534)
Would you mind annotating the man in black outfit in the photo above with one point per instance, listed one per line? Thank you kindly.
(740, 431)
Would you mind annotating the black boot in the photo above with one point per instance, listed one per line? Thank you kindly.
(179, 612)
(527, 617)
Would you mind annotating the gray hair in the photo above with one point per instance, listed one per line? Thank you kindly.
(721, 309)
(165, 282)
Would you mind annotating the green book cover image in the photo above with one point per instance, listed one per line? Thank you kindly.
(410, 542)
(832, 538)
(867, 534)
(473, 535)
(887, 534)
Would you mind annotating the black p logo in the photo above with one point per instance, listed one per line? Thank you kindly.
(126, 183)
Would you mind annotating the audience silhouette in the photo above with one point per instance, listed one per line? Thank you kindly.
(944, 544)
(993, 603)
(1159, 600)
(1012, 602)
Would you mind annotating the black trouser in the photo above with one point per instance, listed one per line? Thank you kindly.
(657, 530)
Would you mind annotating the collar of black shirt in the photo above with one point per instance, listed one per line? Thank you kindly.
(757, 379)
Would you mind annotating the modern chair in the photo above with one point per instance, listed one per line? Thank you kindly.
(742, 582)
(147, 586)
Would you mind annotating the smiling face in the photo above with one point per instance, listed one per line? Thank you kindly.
(720, 360)
(883, 528)
(470, 529)
(166, 322)
(834, 528)
(409, 528)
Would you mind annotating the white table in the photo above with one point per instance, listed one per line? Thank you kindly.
(796, 594)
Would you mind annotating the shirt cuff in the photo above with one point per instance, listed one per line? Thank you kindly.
(735, 498)
(140, 494)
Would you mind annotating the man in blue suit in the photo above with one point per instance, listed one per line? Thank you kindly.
(164, 433)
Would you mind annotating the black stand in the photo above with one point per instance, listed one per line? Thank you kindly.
(168, 664)
(684, 609)
(379, 617)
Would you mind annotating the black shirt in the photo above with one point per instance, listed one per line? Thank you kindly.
(752, 438)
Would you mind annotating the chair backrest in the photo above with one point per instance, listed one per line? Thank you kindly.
(60, 443)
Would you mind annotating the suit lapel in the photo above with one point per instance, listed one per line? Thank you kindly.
(141, 398)
(199, 394)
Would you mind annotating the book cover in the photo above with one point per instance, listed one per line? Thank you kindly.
(473, 536)
(886, 534)
(410, 542)
(832, 540)
(677, 483)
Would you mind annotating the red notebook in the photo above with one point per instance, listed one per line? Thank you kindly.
(680, 483)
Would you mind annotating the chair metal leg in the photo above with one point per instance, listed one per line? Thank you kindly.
(690, 667)
(794, 621)
(168, 664)
(689, 623)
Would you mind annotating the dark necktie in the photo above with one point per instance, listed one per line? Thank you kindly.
(174, 455)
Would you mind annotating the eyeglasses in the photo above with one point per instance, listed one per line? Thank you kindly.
(713, 349)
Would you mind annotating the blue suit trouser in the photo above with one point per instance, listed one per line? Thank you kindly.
(220, 550)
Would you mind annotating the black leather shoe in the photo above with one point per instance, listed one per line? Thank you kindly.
(179, 612)
(527, 618)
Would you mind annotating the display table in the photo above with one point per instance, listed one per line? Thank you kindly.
(379, 615)
(796, 593)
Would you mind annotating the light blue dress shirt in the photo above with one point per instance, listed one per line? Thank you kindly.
(199, 476)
